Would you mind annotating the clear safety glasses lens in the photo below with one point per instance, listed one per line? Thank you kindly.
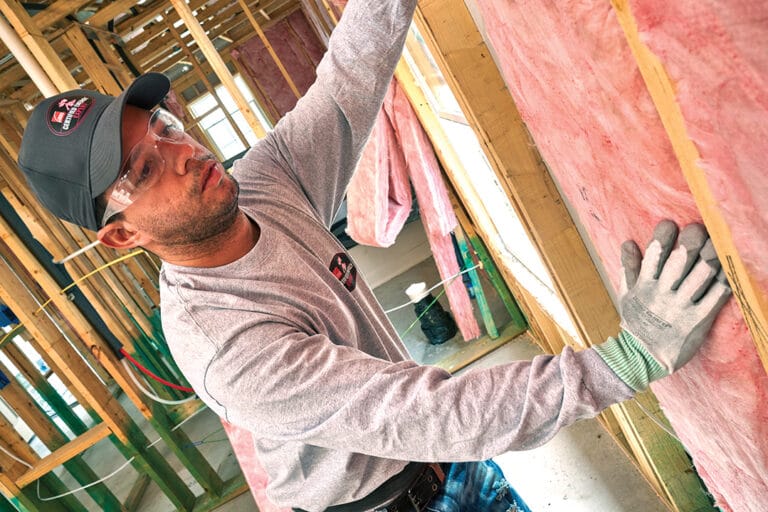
(145, 163)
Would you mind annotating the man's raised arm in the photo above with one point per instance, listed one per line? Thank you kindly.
(319, 142)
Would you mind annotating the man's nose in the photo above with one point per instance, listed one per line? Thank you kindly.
(177, 155)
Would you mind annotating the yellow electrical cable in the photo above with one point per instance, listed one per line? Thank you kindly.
(72, 285)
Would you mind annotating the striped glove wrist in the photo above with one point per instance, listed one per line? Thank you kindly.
(630, 361)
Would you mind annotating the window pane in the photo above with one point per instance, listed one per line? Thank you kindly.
(217, 126)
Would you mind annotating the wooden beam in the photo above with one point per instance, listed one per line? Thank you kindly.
(63, 454)
(211, 89)
(57, 11)
(268, 46)
(30, 372)
(57, 348)
(92, 341)
(112, 61)
(15, 444)
(157, 56)
(149, 40)
(109, 12)
(9, 138)
(751, 299)
(206, 46)
(28, 410)
(36, 42)
(52, 437)
(99, 74)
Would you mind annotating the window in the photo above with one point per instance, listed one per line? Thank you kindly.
(510, 241)
(216, 126)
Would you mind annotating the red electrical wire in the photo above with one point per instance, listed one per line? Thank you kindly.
(158, 379)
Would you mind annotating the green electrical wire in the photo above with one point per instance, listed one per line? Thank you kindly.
(423, 313)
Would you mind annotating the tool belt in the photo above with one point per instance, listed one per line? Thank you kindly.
(411, 490)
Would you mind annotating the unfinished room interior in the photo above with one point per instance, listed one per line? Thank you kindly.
(518, 146)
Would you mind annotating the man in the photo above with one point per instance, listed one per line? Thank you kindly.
(273, 341)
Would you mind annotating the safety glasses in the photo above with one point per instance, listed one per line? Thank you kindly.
(145, 163)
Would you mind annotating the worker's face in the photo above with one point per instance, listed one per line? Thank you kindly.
(191, 200)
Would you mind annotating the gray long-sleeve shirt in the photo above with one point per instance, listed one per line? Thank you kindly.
(290, 344)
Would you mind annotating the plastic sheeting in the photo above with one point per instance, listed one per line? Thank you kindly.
(575, 82)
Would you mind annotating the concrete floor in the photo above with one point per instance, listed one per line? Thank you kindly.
(580, 470)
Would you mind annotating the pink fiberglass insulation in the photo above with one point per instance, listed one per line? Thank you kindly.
(716, 54)
(378, 198)
(255, 475)
(379, 194)
(299, 51)
(434, 205)
(573, 77)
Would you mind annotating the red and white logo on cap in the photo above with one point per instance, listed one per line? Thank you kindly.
(65, 115)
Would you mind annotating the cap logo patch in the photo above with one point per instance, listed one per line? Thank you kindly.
(65, 115)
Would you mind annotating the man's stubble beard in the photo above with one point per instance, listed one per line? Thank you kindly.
(198, 230)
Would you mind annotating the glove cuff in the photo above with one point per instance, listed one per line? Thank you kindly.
(630, 361)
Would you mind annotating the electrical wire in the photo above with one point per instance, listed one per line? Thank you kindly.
(658, 422)
(51, 498)
(149, 393)
(451, 278)
(422, 313)
(152, 375)
(72, 285)
(5, 451)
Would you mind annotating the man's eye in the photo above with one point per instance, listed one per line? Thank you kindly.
(169, 131)
(144, 173)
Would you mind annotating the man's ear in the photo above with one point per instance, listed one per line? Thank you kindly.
(121, 235)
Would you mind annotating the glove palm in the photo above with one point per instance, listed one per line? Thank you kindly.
(668, 301)
(670, 298)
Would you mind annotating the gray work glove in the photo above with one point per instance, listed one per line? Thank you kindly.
(668, 302)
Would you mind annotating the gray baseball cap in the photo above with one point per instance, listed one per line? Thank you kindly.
(71, 151)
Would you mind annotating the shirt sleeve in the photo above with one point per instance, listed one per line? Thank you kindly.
(318, 143)
(306, 389)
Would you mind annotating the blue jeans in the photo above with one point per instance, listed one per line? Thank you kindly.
(476, 486)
